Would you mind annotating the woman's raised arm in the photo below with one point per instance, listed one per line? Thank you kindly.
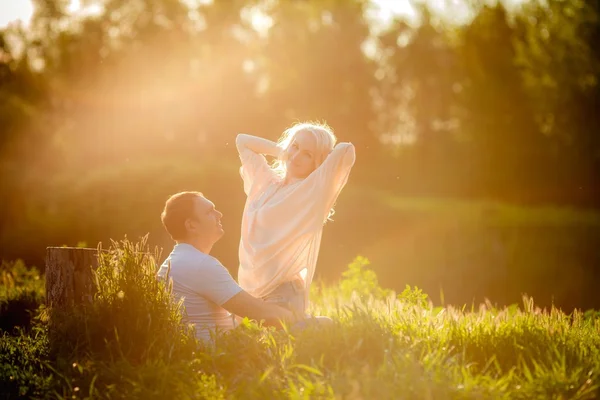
(257, 145)
(332, 175)
(255, 170)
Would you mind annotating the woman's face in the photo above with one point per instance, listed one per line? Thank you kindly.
(301, 155)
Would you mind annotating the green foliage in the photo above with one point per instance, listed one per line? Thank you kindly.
(414, 296)
(23, 373)
(28, 371)
(360, 280)
(22, 291)
(133, 316)
(380, 347)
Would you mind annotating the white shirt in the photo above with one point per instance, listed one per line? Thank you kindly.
(282, 224)
(204, 284)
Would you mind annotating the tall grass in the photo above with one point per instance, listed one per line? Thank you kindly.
(132, 343)
(21, 293)
(132, 317)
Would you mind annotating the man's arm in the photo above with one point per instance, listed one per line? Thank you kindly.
(257, 145)
(245, 305)
(214, 282)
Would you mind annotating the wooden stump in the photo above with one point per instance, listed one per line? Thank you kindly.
(69, 275)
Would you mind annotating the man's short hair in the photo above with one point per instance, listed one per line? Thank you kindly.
(178, 208)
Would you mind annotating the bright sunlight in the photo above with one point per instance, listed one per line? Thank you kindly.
(22, 10)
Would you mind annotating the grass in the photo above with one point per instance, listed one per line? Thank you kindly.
(21, 292)
(498, 213)
(469, 250)
(132, 343)
(462, 251)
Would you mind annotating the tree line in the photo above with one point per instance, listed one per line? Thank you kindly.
(503, 105)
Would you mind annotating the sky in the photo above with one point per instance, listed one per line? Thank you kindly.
(21, 10)
(12, 10)
(381, 13)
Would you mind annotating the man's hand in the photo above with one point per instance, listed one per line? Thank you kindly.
(245, 305)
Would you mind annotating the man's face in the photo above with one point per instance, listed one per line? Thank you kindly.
(206, 220)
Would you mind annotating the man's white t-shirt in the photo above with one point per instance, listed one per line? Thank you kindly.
(204, 284)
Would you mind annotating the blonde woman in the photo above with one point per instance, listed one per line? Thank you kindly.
(286, 208)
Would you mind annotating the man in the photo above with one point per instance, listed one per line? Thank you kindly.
(210, 294)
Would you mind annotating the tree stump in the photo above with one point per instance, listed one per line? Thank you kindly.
(69, 278)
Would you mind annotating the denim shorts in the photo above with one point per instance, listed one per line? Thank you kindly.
(290, 295)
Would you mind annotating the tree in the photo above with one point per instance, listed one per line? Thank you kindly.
(316, 69)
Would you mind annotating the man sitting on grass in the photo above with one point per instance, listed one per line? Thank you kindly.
(211, 296)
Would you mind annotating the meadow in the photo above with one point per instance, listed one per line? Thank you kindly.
(457, 250)
(132, 343)
(436, 291)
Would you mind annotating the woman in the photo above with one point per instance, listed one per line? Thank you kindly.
(287, 205)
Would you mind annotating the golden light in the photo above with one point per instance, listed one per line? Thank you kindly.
(11, 11)
(383, 11)
(22, 10)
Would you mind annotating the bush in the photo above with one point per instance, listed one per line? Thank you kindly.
(21, 294)
(133, 316)
(23, 373)
(359, 280)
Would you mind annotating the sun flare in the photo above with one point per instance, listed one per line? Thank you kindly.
(22, 10)
(11, 11)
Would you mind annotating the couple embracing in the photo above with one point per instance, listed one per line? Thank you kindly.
(288, 202)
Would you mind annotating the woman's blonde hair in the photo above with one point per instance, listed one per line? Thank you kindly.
(324, 137)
